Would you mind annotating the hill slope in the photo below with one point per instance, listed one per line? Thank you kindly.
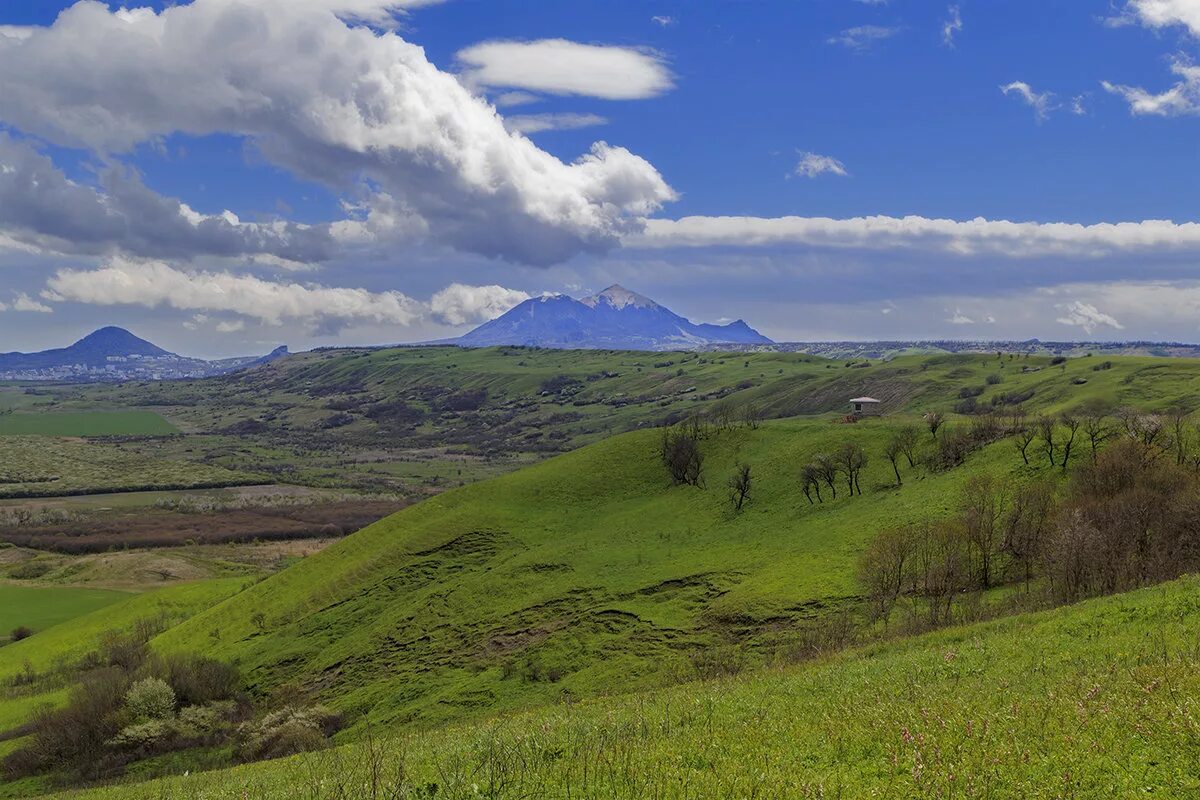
(568, 578)
(614, 319)
(1091, 701)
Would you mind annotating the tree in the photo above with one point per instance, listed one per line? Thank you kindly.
(852, 460)
(1026, 524)
(1096, 428)
(682, 457)
(883, 566)
(828, 470)
(933, 421)
(893, 450)
(752, 416)
(907, 437)
(1045, 431)
(739, 486)
(1071, 423)
(1177, 419)
(810, 482)
(1025, 436)
(981, 508)
(940, 563)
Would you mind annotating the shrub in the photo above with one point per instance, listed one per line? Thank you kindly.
(1058, 360)
(970, 391)
(150, 698)
(148, 735)
(286, 732)
(198, 680)
(20, 632)
(994, 379)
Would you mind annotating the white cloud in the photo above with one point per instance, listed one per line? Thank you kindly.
(560, 121)
(1086, 316)
(1040, 102)
(562, 67)
(1078, 104)
(971, 237)
(1165, 13)
(1182, 98)
(231, 325)
(44, 209)
(959, 318)
(23, 302)
(154, 283)
(863, 36)
(813, 164)
(663, 20)
(952, 26)
(510, 99)
(340, 104)
(458, 304)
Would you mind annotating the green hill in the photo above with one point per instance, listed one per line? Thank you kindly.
(586, 572)
(1096, 700)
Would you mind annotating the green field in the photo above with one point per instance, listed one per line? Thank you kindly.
(1097, 701)
(38, 608)
(84, 423)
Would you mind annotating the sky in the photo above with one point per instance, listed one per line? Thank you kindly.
(223, 176)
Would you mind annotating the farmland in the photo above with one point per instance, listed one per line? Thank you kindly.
(40, 607)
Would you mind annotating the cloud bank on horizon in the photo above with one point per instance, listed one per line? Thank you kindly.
(442, 178)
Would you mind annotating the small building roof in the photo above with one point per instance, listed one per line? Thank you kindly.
(864, 400)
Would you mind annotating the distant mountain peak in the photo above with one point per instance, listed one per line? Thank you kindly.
(619, 297)
(113, 341)
(615, 318)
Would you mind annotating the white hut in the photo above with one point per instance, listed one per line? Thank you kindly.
(864, 407)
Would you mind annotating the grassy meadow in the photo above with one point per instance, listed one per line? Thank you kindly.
(85, 423)
(40, 607)
(1096, 700)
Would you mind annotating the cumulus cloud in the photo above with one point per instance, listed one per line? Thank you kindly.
(1164, 13)
(1086, 316)
(1181, 99)
(154, 283)
(23, 302)
(863, 37)
(959, 318)
(41, 207)
(813, 164)
(952, 26)
(1042, 103)
(663, 20)
(971, 237)
(561, 121)
(563, 67)
(332, 102)
(459, 304)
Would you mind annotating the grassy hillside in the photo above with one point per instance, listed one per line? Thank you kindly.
(566, 579)
(90, 423)
(1091, 701)
(42, 607)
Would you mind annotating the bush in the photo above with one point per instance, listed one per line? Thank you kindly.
(198, 681)
(20, 632)
(1058, 360)
(970, 391)
(149, 699)
(287, 732)
(994, 379)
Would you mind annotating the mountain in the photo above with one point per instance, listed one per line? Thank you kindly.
(615, 319)
(115, 354)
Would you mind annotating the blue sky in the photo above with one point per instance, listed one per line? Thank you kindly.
(845, 147)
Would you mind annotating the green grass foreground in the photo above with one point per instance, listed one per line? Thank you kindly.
(1098, 700)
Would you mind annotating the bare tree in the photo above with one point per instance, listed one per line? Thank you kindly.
(739, 486)
(1071, 423)
(828, 470)
(1045, 432)
(1026, 525)
(852, 460)
(981, 508)
(883, 567)
(1096, 428)
(893, 450)
(752, 416)
(682, 457)
(933, 421)
(907, 437)
(1178, 419)
(1025, 436)
(810, 482)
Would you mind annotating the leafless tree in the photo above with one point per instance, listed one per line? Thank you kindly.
(1096, 428)
(739, 486)
(682, 456)
(1026, 524)
(884, 565)
(1025, 437)
(907, 437)
(981, 508)
(1071, 423)
(1045, 432)
(893, 450)
(752, 416)
(828, 470)
(810, 482)
(1178, 419)
(852, 460)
